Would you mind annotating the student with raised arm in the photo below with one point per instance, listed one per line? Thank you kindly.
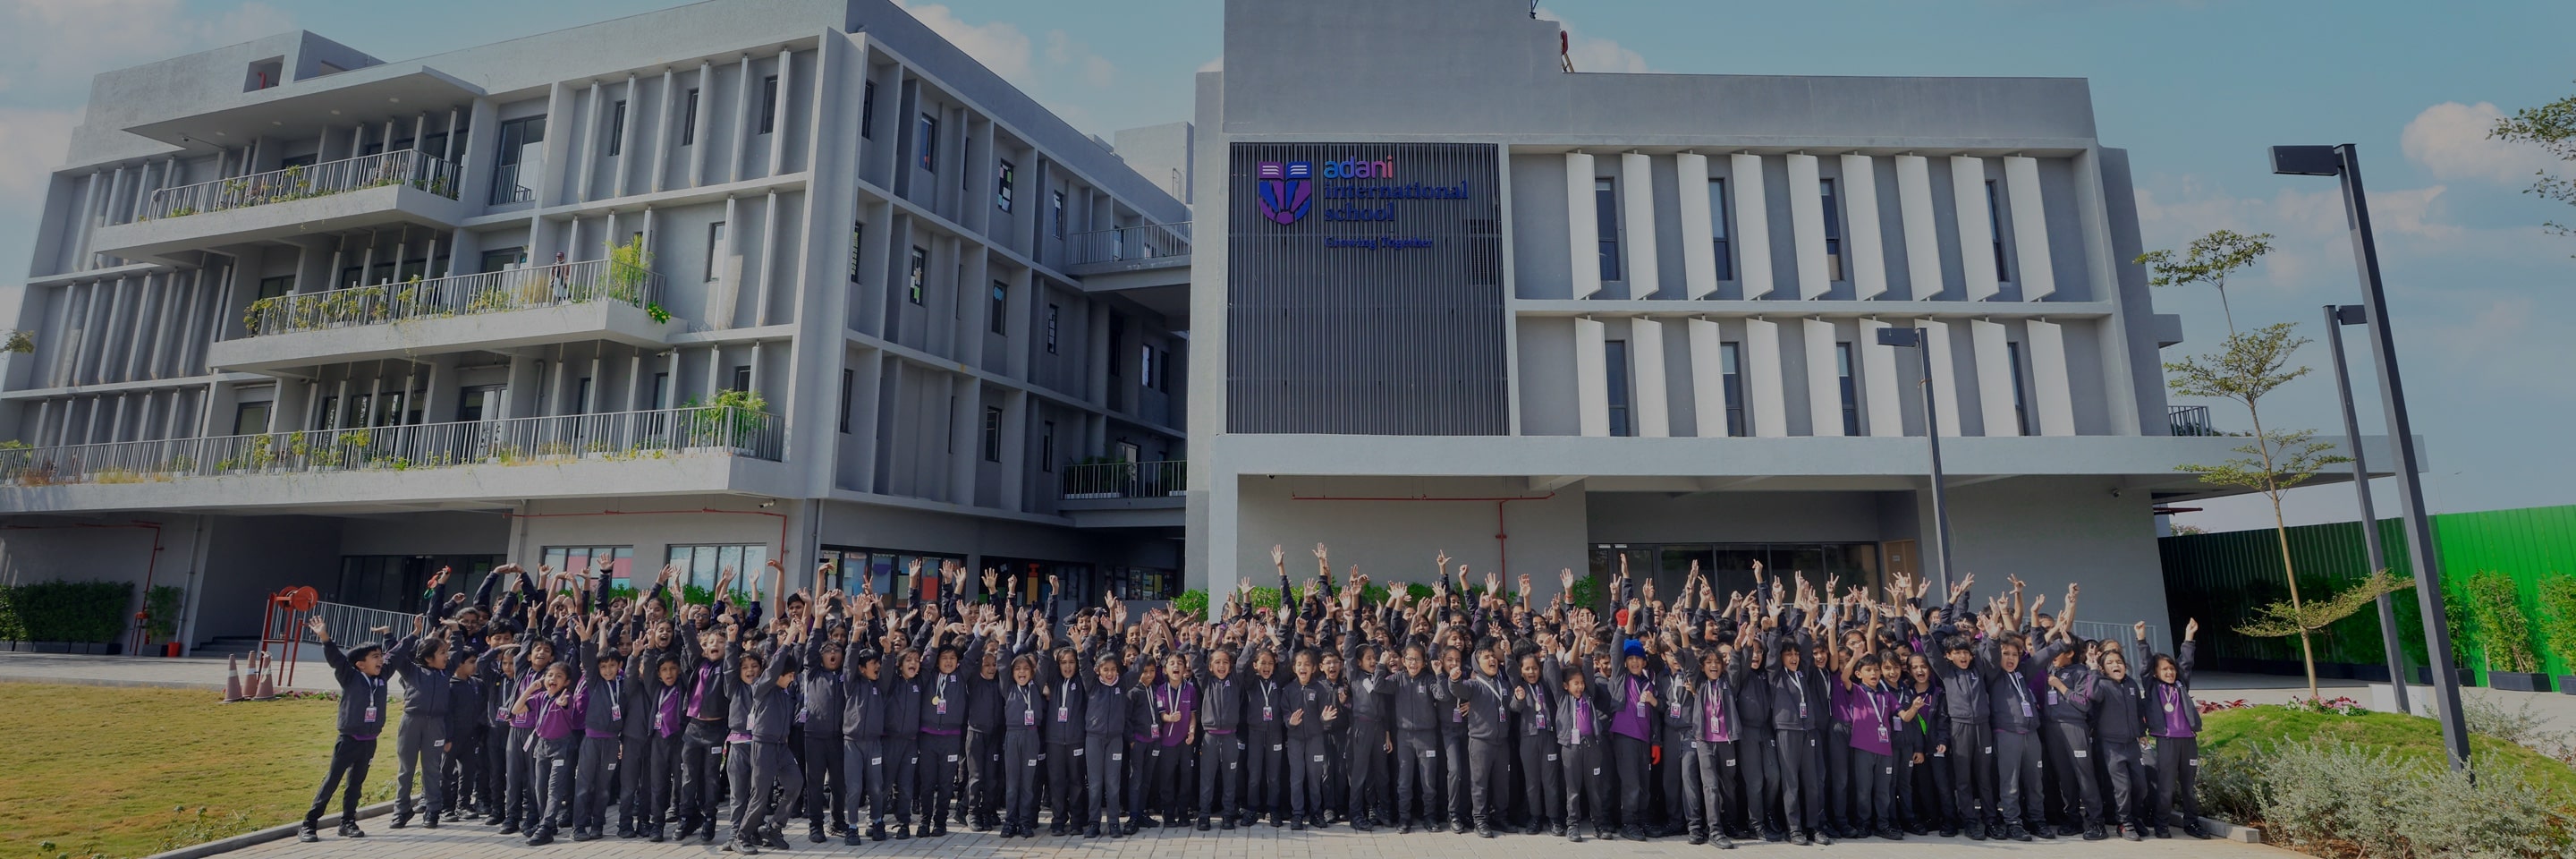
(863, 717)
(1874, 710)
(2074, 692)
(825, 690)
(767, 691)
(601, 698)
(420, 660)
(705, 703)
(1583, 714)
(2016, 718)
(1533, 706)
(2173, 719)
(2120, 714)
(1372, 699)
(361, 719)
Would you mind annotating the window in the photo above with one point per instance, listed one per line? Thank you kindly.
(1002, 182)
(701, 565)
(1145, 366)
(1163, 368)
(580, 559)
(867, 109)
(715, 248)
(581, 397)
(1055, 316)
(1616, 361)
(1000, 314)
(326, 415)
(1995, 226)
(741, 378)
(1833, 232)
(992, 434)
(1730, 358)
(617, 129)
(496, 260)
(1046, 445)
(951, 414)
(1717, 228)
(661, 391)
(475, 404)
(2021, 393)
(769, 104)
(857, 232)
(887, 572)
(920, 273)
(507, 185)
(1056, 208)
(1850, 389)
(926, 139)
(273, 287)
(849, 378)
(689, 120)
(252, 419)
(1605, 211)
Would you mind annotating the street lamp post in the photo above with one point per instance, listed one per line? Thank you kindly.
(2343, 161)
(2338, 316)
(1913, 337)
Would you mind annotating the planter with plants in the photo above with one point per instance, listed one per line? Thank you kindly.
(2558, 623)
(2512, 662)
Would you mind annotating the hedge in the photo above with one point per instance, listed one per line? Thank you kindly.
(77, 612)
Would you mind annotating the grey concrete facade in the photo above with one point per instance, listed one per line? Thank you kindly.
(295, 305)
(1692, 271)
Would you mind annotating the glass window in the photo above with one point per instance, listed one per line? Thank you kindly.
(920, 272)
(496, 260)
(273, 287)
(617, 129)
(1605, 211)
(857, 232)
(769, 104)
(1616, 360)
(716, 248)
(507, 185)
(992, 434)
(1056, 203)
(474, 404)
(848, 378)
(700, 566)
(661, 391)
(1850, 389)
(252, 419)
(1833, 231)
(1717, 228)
(867, 109)
(1046, 446)
(927, 141)
(689, 120)
(1730, 358)
(1055, 316)
(1995, 224)
(741, 378)
(2021, 394)
(999, 317)
(621, 561)
(581, 397)
(1002, 182)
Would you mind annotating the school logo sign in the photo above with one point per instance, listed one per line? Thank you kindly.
(1285, 190)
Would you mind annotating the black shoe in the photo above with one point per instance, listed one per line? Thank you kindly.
(1698, 838)
(511, 828)
(1458, 827)
(1225, 823)
(402, 818)
(1890, 833)
(741, 846)
(1123, 831)
(2095, 833)
(1723, 842)
(876, 832)
(1361, 824)
(540, 838)
(2047, 832)
(1484, 832)
(1976, 832)
(937, 830)
(626, 831)
(307, 835)
(2162, 832)
(2193, 829)
(1056, 829)
(655, 835)
(1574, 835)
(430, 821)
(814, 833)
(581, 835)
(1407, 830)
(1203, 823)
(1798, 838)
(2131, 833)
(1092, 831)
(1824, 838)
(2017, 833)
(1299, 826)
(903, 832)
(1556, 827)
(349, 829)
(1277, 821)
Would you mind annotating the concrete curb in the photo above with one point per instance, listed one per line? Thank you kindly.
(263, 836)
(2230, 831)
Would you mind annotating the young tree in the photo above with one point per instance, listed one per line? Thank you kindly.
(2552, 127)
(2210, 259)
(2287, 618)
(2247, 367)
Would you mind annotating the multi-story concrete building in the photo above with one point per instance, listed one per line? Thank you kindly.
(712, 285)
(1454, 294)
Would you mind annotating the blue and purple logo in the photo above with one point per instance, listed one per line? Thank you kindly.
(1285, 190)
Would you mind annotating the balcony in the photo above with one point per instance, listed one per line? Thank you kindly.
(595, 300)
(2189, 420)
(377, 190)
(1147, 263)
(1119, 494)
(616, 436)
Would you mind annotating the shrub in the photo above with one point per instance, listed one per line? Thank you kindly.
(1191, 604)
(161, 608)
(80, 612)
(2557, 622)
(2341, 798)
(2496, 603)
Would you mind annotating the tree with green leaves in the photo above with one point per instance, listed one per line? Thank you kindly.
(2248, 366)
(2289, 617)
(2552, 127)
(2209, 259)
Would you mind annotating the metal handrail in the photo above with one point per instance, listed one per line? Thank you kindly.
(613, 435)
(458, 295)
(2189, 420)
(419, 169)
(1138, 242)
(1125, 479)
(355, 624)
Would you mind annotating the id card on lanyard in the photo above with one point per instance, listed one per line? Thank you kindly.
(1541, 700)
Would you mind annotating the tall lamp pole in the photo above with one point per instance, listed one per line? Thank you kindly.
(2344, 162)
(2338, 316)
(1913, 337)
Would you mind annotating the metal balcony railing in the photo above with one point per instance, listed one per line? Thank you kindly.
(419, 169)
(2189, 420)
(460, 295)
(1117, 479)
(659, 434)
(1140, 242)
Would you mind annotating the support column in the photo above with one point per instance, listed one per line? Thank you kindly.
(964, 420)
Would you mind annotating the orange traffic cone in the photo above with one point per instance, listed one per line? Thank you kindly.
(267, 679)
(232, 679)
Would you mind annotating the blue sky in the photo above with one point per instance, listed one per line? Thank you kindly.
(2194, 89)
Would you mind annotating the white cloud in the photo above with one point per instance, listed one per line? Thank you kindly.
(50, 48)
(1215, 65)
(2450, 139)
(1063, 52)
(1593, 53)
(1000, 46)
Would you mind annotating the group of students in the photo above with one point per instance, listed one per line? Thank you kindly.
(1785, 713)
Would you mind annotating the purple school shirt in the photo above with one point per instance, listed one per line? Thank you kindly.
(2177, 712)
(1861, 707)
(554, 722)
(1630, 721)
(698, 689)
(1183, 699)
(529, 680)
(1712, 704)
(666, 713)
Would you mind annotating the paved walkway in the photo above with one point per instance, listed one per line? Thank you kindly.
(474, 841)
(207, 674)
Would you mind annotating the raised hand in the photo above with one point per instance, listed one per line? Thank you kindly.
(2190, 629)
(1565, 579)
(1278, 556)
(2140, 628)
(319, 629)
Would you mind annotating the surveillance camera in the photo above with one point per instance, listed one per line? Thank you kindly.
(768, 504)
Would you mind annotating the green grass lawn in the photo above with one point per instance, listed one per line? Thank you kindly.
(2407, 736)
(98, 770)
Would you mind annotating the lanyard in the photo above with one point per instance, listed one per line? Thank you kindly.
(1875, 708)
